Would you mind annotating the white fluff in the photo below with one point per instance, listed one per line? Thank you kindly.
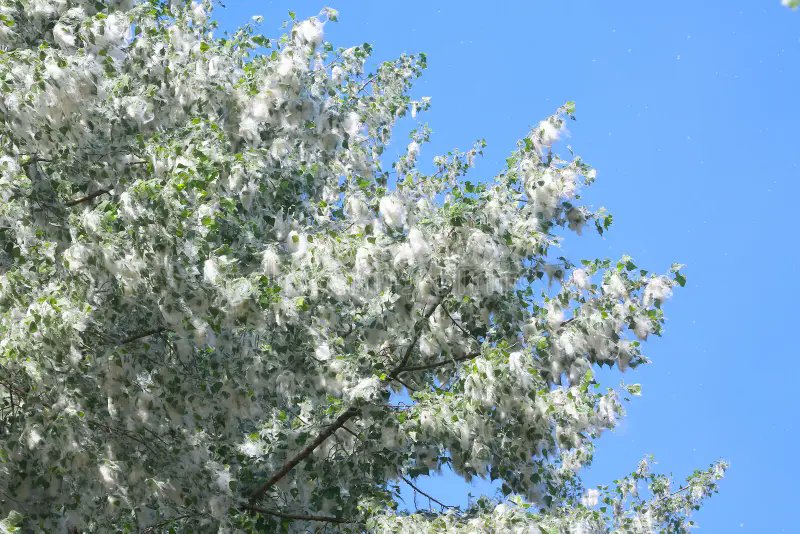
(77, 256)
(366, 389)
(337, 75)
(581, 279)
(404, 256)
(356, 208)
(352, 124)
(34, 437)
(139, 110)
(62, 35)
(199, 11)
(615, 287)
(309, 31)
(323, 352)
(210, 270)
(259, 107)
(419, 246)
(270, 263)
(364, 261)
(607, 411)
(555, 316)
(658, 289)
(117, 29)
(546, 134)
(392, 211)
(591, 498)
(280, 147)
(641, 327)
(413, 150)
(518, 363)
(285, 64)
(296, 243)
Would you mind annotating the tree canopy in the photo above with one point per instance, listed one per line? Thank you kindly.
(223, 309)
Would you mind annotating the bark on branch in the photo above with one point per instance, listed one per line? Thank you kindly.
(433, 365)
(340, 421)
(87, 198)
(305, 453)
(141, 335)
(298, 517)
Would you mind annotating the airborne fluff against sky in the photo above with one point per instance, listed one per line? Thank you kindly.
(690, 111)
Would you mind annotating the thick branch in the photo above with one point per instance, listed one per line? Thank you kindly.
(87, 198)
(298, 517)
(141, 335)
(154, 528)
(440, 363)
(305, 453)
(343, 418)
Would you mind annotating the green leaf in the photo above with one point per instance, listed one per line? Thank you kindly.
(634, 389)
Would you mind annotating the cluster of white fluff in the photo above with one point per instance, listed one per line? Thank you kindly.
(203, 262)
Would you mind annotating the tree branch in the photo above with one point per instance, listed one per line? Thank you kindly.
(141, 335)
(340, 421)
(397, 379)
(87, 198)
(154, 528)
(367, 82)
(440, 363)
(298, 517)
(434, 499)
(458, 325)
(125, 433)
(305, 453)
(417, 333)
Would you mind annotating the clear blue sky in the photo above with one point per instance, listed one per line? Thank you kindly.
(690, 112)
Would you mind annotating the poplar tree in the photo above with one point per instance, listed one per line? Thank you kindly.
(222, 309)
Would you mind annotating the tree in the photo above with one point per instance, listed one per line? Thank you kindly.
(221, 310)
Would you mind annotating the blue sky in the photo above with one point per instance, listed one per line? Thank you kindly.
(690, 112)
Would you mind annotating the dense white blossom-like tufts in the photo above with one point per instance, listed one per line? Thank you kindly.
(392, 211)
(210, 275)
(310, 32)
(657, 290)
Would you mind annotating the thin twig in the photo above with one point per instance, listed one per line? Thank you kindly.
(417, 333)
(434, 499)
(128, 434)
(366, 83)
(11, 387)
(458, 325)
(409, 388)
(667, 496)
